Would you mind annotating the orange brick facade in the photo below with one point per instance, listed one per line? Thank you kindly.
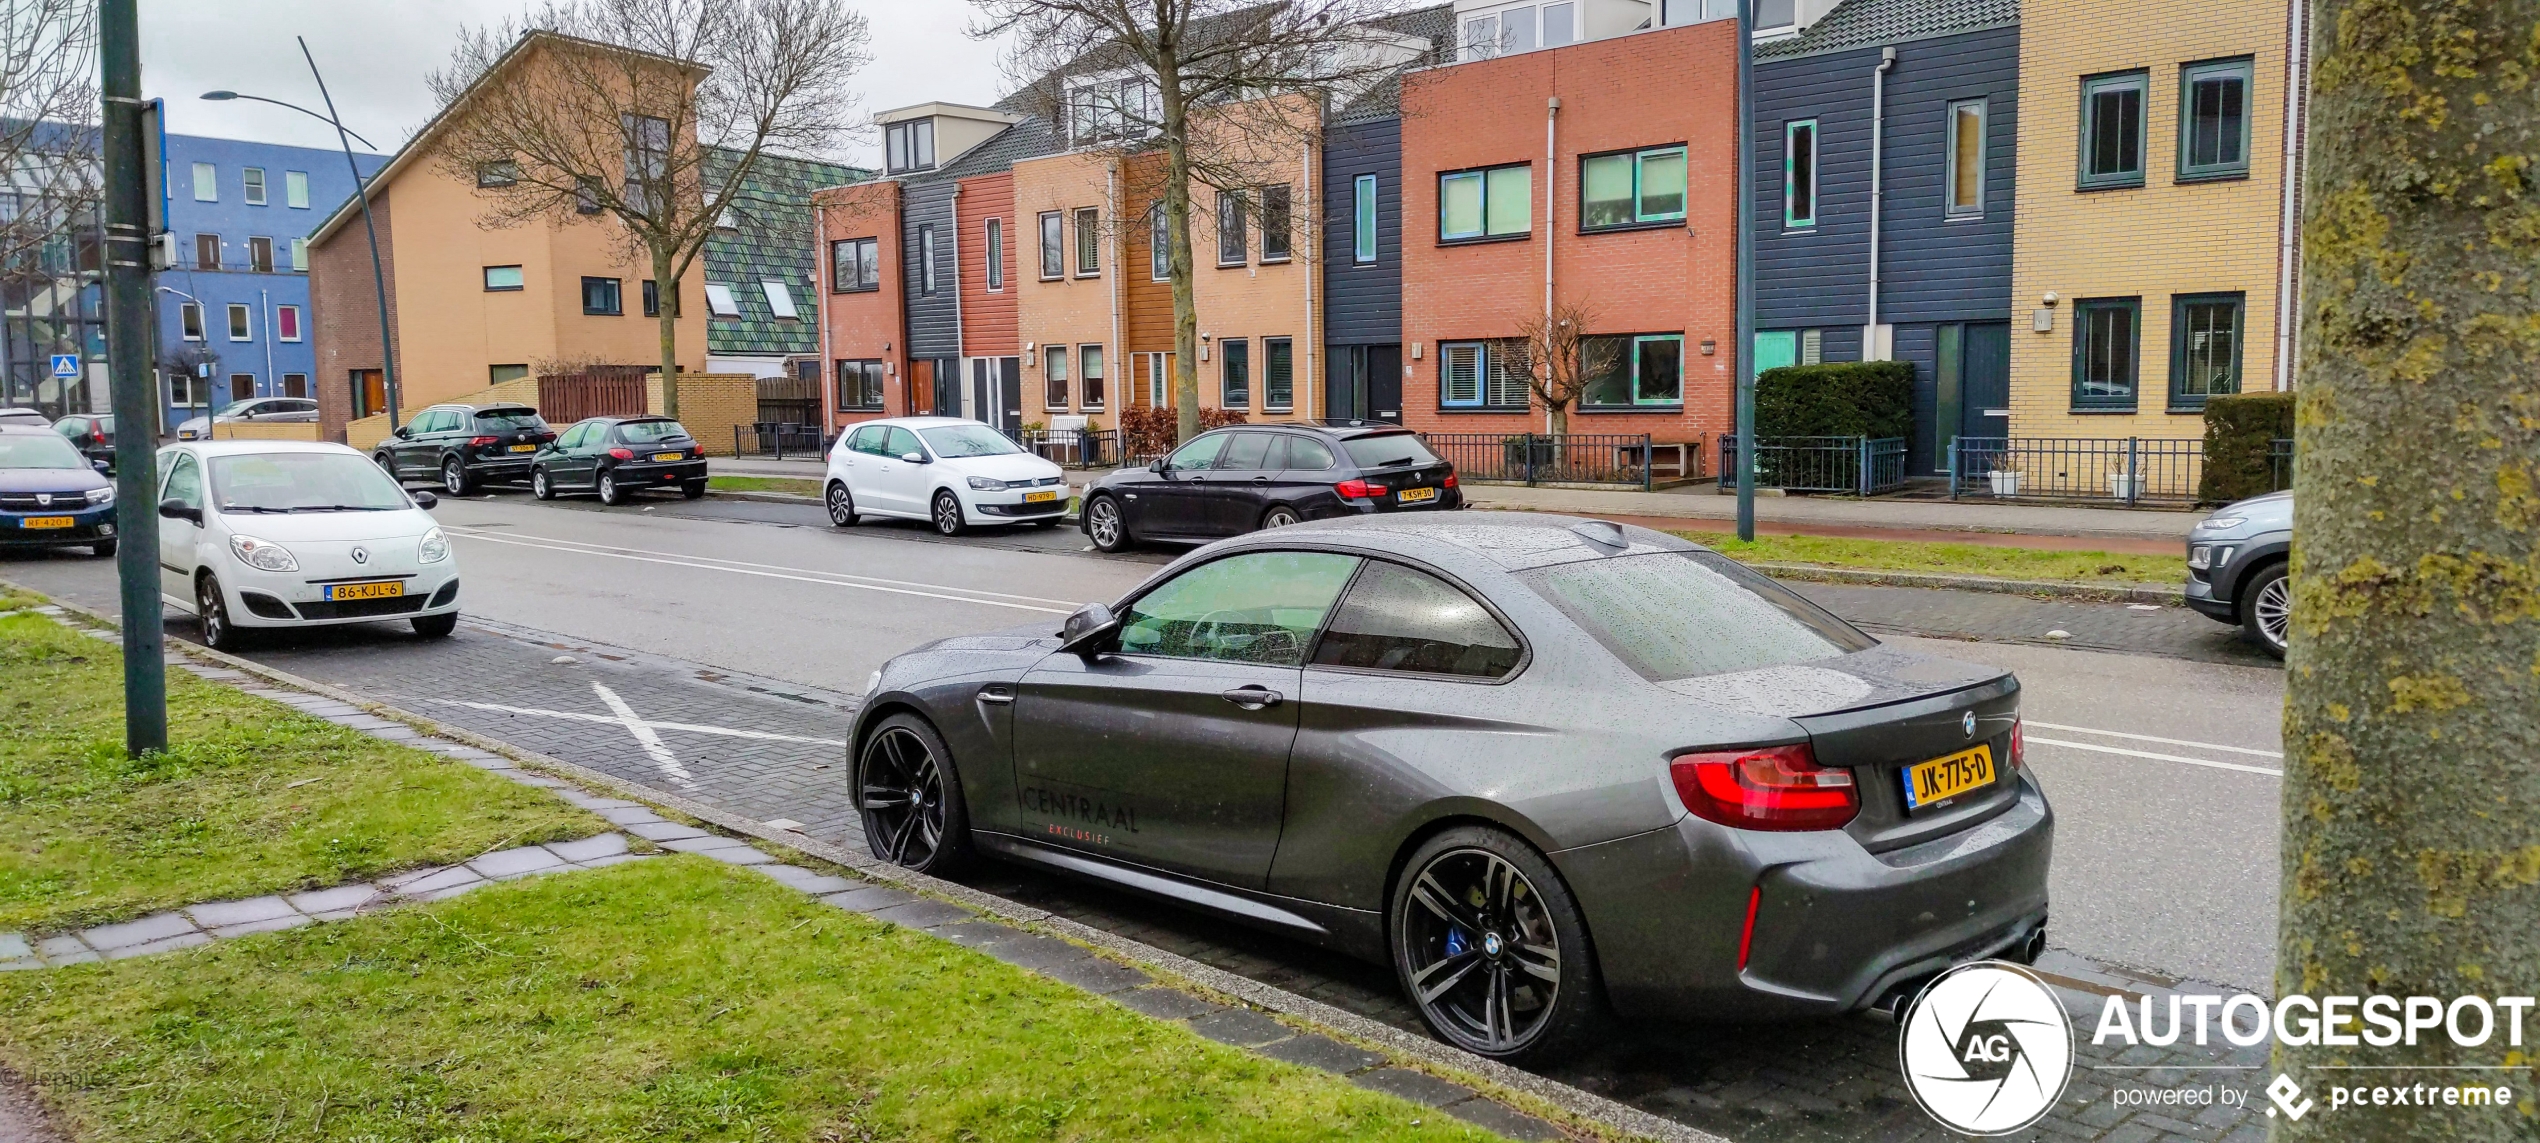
(1649, 89)
(862, 325)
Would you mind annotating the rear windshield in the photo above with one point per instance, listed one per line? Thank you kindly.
(1679, 615)
(646, 432)
(1390, 450)
(38, 450)
(506, 420)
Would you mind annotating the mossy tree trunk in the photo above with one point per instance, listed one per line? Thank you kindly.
(2411, 859)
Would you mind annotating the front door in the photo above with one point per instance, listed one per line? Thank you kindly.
(894, 485)
(1985, 381)
(1173, 752)
(1384, 383)
(947, 387)
(1240, 485)
(1177, 504)
(1348, 382)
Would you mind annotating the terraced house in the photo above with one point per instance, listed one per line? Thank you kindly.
(760, 280)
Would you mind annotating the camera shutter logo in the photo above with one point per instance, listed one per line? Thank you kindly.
(1987, 1049)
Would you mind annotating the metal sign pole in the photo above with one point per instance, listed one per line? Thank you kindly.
(132, 380)
(1745, 351)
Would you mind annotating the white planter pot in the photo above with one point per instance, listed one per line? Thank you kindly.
(2005, 483)
(2124, 487)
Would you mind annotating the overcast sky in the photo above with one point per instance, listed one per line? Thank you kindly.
(376, 52)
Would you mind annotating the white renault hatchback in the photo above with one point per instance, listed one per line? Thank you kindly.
(946, 471)
(258, 534)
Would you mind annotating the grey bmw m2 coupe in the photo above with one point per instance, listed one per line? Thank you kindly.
(1548, 769)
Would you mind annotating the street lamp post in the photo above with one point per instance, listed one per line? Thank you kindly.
(1746, 270)
(361, 188)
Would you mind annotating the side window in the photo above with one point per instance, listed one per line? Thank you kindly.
(902, 442)
(1198, 454)
(1257, 608)
(1397, 619)
(867, 440)
(1305, 454)
(439, 421)
(185, 482)
(573, 437)
(1248, 452)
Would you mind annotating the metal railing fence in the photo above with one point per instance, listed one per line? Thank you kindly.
(2130, 470)
(1568, 458)
(1862, 466)
(777, 439)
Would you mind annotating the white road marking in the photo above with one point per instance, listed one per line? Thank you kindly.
(652, 743)
(2153, 738)
(775, 571)
(688, 727)
(2157, 757)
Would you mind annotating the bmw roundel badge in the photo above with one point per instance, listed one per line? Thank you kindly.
(1968, 724)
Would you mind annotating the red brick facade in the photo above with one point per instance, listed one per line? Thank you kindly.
(863, 325)
(988, 315)
(344, 307)
(1647, 89)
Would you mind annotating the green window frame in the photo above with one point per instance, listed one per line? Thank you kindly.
(1234, 373)
(2214, 105)
(1628, 189)
(1963, 197)
(2112, 129)
(1638, 371)
(1278, 374)
(2107, 352)
(1486, 203)
(1799, 174)
(2207, 335)
(1363, 219)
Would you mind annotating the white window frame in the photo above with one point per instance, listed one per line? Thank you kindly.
(297, 331)
(300, 255)
(251, 186)
(206, 183)
(242, 317)
(720, 302)
(780, 300)
(1949, 175)
(189, 321)
(295, 189)
(1363, 218)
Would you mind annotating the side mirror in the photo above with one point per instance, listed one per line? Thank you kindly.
(175, 509)
(1089, 630)
(425, 499)
(1156, 466)
(101, 466)
(913, 457)
(404, 432)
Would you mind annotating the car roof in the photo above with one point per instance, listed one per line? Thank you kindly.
(27, 427)
(248, 447)
(916, 422)
(1511, 541)
(1337, 430)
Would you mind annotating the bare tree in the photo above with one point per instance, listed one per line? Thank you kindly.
(48, 122)
(616, 108)
(1220, 86)
(1563, 359)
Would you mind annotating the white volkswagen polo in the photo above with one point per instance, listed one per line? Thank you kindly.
(271, 534)
(946, 471)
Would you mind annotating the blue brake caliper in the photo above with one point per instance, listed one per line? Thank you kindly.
(1455, 945)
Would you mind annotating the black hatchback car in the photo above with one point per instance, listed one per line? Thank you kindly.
(615, 457)
(466, 445)
(92, 434)
(1230, 481)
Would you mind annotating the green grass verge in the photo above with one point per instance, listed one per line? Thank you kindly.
(670, 999)
(1951, 559)
(764, 484)
(251, 797)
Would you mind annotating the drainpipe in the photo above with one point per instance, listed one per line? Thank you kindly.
(1119, 283)
(1878, 148)
(264, 308)
(824, 288)
(1306, 261)
(960, 383)
(2288, 309)
(1551, 210)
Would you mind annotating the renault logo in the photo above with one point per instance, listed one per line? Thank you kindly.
(43, 499)
(362, 556)
(1967, 724)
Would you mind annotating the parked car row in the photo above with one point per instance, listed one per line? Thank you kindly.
(467, 446)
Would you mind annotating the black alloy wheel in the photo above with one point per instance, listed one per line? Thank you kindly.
(454, 478)
(1279, 516)
(387, 463)
(538, 485)
(2268, 616)
(213, 612)
(910, 797)
(947, 515)
(1490, 947)
(841, 505)
(1104, 526)
(693, 490)
(606, 486)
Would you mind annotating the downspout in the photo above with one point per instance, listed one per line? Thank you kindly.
(1551, 211)
(960, 345)
(1309, 262)
(1878, 148)
(823, 282)
(1119, 284)
(264, 306)
(2288, 308)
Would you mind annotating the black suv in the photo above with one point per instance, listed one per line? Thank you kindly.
(465, 445)
(1229, 481)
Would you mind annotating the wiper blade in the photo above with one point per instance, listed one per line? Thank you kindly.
(251, 508)
(334, 508)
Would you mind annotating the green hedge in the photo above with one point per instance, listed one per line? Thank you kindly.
(2239, 432)
(1848, 399)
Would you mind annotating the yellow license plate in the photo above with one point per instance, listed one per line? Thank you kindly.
(1416, 495)
(390, 590)
(1040, 497)
(525, 448)
(1931, 783)
(47, 522)
(666, 457)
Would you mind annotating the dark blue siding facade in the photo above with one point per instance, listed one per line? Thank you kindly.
(1362, 302)
(1934, 269)
(934, 321)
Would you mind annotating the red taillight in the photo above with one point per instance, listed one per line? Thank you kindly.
(481, 442)
(698, 451)
(1450, 481)
(2019, 745)
(1746, 937)
(97, 437)
(1768, 788)
(622, 453)
(1353, 490)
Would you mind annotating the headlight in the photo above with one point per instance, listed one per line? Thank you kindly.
(261, 555)
(434, 548)
(2223, 523)
(101, 495)
(986, 484)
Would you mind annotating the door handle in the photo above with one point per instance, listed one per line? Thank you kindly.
(1253, 697)
(996, 695)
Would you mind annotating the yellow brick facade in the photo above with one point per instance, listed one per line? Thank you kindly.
(2165, 238)
(1072, 309)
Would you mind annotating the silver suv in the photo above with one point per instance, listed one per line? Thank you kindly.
(2236, 562)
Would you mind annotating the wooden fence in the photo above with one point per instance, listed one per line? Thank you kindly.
(609, 392)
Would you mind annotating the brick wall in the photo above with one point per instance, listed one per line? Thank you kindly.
(987, 316)
(2151, 242)
(344, 312)
(710, 404)
(1672, 85)
(867, 325)
(1070, 310)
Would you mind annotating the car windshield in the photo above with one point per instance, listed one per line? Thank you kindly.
(302, 482)
(953, 442)
(649, 432)
(1679, 615)
(30, 450)
(505, 420)
(233, 408)
(1388, 450)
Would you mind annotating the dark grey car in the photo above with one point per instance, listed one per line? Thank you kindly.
(1543, 767)
(2237, 561)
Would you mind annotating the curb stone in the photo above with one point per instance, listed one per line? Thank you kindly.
(2096, 593)
(1104, 964)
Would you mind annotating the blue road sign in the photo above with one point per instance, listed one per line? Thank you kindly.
(65, 365)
